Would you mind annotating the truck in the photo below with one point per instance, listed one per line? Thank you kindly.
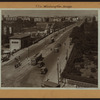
(17, 62)
(44, 70)
(51, 40)
(36, 58)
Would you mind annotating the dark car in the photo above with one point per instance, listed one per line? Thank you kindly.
(52, 40)
(5, 59)
(44, 70)
(56, 50)
(18, 63)
(41, 64)
(58, 45)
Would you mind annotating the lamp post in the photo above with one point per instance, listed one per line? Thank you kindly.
(67, 54)
(58, 69)
(58, 72)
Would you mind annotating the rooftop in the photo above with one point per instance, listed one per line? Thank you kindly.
(41, 24)
(19, 36)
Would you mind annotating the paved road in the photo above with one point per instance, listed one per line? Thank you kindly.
(27, 75)
(29, 80)
(35, 48)
(34, 78)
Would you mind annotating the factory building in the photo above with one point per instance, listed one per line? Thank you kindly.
(19, 41)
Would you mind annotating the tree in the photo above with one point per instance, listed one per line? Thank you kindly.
(94, 19)
(93, 70)
(47, 19)
(86, 21)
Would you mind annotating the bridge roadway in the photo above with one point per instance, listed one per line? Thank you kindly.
(28, 75)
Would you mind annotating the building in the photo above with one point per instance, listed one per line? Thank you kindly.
(55, 19)
(39, 19)
(80, 84)
(7, 30)
(15, 18)
(24, 18)
(42, 28)
(8, 18)
(19, 41)
(67, 19)
(74, 19)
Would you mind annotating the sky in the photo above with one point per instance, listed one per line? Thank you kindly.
(49, 13)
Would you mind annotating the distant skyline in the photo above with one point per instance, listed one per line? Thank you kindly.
(49, 13)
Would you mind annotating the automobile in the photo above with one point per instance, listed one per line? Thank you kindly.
(52, 40)
(17, 64)
(58, 45)
(33, 62)
(14, 51)
(55, 34)
(44, 70)
(5, 59)
(49, 84)
(40, 64)
(56, 50)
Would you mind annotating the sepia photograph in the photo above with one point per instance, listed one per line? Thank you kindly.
(49, 48)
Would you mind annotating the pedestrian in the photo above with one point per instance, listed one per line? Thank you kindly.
(29, 61)
(19, 62)
(19, 57)
(16, 65)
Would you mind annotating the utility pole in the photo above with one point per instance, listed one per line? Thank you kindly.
(58, 72)
(28, 52)
(45, 41)
(58, 69)
(67, 54)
